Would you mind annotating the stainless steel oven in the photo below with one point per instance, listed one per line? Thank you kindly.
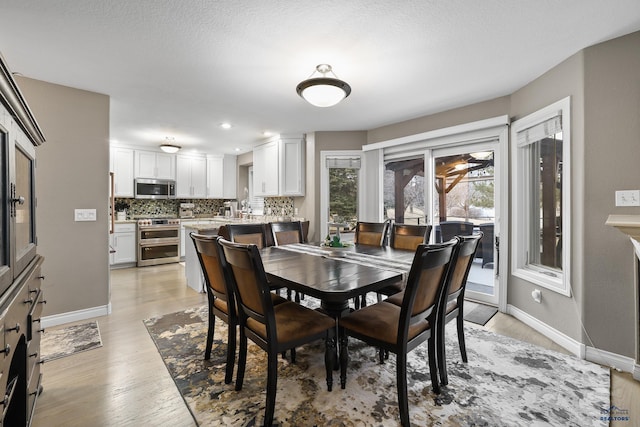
(158, 241)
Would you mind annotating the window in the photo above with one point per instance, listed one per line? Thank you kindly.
(541, 197)
(403, 191)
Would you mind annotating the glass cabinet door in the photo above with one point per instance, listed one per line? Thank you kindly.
(23, 204)
(6, 274)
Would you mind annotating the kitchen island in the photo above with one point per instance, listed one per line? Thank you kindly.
(192, 269)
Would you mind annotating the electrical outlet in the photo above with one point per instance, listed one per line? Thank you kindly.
(84, 214)
(628, 198)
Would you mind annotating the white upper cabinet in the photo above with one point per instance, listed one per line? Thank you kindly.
(191, 177)
(151, 164)
(278, 167)
(221, 177)
(121, 160)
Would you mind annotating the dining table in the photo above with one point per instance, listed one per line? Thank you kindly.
(335, 275)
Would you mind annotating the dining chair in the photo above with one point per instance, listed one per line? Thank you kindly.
(407, 237)
(369, 234)
(486, 243)
(400, 329)
(285, 233)
(247, 233)
(453, 302)
(219, 296)
(274, 329)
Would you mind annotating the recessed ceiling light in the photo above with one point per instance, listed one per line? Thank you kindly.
(225, 125)
(237, 149)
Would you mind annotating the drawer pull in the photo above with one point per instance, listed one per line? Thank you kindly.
(6, 350)
(28, 301)
(41, 277)
(15, 328)
(34, 354)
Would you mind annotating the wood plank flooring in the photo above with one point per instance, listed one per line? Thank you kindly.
(125, 382)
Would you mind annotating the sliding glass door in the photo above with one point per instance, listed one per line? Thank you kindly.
(464, 199)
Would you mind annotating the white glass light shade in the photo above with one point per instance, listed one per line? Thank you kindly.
(323, 91)
(170, 148)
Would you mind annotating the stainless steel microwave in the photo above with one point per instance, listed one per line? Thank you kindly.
(154, 188)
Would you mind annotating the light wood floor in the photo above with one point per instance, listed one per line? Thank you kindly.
(125, 382)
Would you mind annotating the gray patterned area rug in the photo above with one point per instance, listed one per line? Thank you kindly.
(505, 383)
(65, 341)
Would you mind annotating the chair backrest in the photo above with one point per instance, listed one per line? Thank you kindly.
(249, 283)
(409, 236)
(285, 233)
(209, 252)
(463, 258)
(371, 233)
(247, 234)
(426, 285)
(451, 229)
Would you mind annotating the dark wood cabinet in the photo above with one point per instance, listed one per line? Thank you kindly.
(21, 297)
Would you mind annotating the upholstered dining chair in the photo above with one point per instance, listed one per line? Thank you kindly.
(400, 329)
(285, 233)
(453, 303)
(219, 296)
(370, 234)
(247, 233)
(274, 329)
(407, 237)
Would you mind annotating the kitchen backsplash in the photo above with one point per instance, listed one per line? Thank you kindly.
(146, 208)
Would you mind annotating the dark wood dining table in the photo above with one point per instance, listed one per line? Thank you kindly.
(331, 275)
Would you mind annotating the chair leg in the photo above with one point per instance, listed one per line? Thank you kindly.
(242, 359)
(356, 303)
(401, 380)
(441, 357)
(433, 368)
(231, 353)
(212, 325)
(461, 343)
(272, 382)
(293, 355)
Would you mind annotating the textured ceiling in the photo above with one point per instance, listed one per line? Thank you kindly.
(179, 68)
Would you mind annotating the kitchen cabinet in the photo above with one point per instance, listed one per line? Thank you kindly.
(278, 167)
(221, 177)
(123, 243)
(152, 164)
(121, 161)
(191, 177)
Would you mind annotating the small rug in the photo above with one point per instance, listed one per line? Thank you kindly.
(505, 383)
(479, 314)
(62, 342)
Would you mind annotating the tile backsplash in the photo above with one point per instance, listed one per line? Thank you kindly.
(145, 208)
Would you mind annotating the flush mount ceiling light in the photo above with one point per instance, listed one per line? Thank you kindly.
(169, 146)
(323, 91)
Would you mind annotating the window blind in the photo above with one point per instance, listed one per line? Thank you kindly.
(343, 162)
(540, 131)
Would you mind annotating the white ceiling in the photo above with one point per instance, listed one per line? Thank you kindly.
(179, 68)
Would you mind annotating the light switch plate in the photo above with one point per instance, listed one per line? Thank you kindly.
(84, 214)
(628, 198)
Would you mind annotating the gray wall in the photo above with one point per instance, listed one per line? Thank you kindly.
(612, 153)
(72, 172)
(558, 311)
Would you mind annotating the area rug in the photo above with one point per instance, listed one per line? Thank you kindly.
(505, 383)
(479, 314)
(65, 341)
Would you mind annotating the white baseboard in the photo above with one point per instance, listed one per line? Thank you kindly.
(613, 360)
(75, 316)
(571, 345)
(580, 350)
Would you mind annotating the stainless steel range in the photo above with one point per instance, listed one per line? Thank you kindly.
(158, 241)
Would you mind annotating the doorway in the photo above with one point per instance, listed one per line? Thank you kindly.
(464, 194)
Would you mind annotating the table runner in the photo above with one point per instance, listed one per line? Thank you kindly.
(345, 255)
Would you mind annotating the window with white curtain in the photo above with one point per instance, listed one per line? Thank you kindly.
(541, 195)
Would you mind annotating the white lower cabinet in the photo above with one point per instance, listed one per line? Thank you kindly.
(123, 243)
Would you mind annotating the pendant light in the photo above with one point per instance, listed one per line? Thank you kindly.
(323, 91)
